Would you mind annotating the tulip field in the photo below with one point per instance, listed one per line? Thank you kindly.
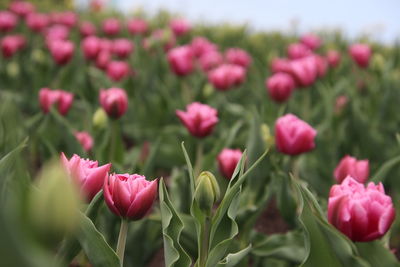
(137, 140)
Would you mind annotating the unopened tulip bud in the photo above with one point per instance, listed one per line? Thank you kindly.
(378, 62)
(100, 119)
(207, 192)
(361, 54)
(266, 135)
(227, 161)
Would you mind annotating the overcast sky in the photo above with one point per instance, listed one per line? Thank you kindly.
(380, 17)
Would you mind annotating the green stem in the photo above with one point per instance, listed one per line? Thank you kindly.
(114, 136)
(122, 240)
(204, 242)
(199, 159)
(295, 166)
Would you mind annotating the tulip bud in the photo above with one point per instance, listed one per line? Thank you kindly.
(111, 26)
(201, 46)
(266, 135)
(207, 192)
(238, 56)
(114, 101)
(227, 161)
(100, 119)
(122, 47)
(180, 26)
(333, 58)
(181, 60)
(227, 76)
(280, 87)
(118, 70)
(85, 139)
(311, 41)
(358, 169)
(298, 50)
(7, 21)
(361, 54)
(137, 26)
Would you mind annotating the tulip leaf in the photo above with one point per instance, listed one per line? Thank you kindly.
(376, 254)
(380, 174)
(172, 226)
(190, 170)
(234, 258)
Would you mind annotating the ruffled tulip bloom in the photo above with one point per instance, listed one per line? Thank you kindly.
(298, 50)
(62, 51)
(87, 29)
(90, 47)
(61, 98)
(87, 174)
(294, 136)
(238, 56)
(304, 71)
(310, 40)
(138, 26)
(11, 44)
(111, 26)
(333, 58)
(103, 59)
(361, 213)
(180, 60)
(122, 48)
(210, 60)
(227, 76)
(37, 22)
(21, 8)
(129, 196)
(7, 21)
(227, 161)
(201, 45)
(199, 119)
(280, 65)
(114, 101)
(358, 169)
(280, 86)
(180, 26)
(118, 70)
(85, 139)
(361, 54)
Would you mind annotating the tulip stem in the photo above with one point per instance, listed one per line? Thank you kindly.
(114, 136)
(122, 240)
(204, 242)
(199, 159)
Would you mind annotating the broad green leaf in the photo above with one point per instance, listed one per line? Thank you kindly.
(376, 254)
(380, 174)
(190, 170)
(234, 258)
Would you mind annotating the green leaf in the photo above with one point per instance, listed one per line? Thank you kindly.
(380, 174)
(172, 225)
(190, 170)
(234, 258)
(376, 254)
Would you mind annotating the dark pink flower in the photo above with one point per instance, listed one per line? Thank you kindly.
(87, 29)
(8, 21)
(238, 56)
(227, 161)
(310, 40)
(227, 76)
(85, 139)
(111, 26)
(62, 99)
(333, 58)
(357, 169)
(180, 60)
(137, 26)
(298, 50)
(114, 101)
(280, 86)
(118, 70)
(180, 26)
(11, 44)
(61, 51)
(122, 47)
(361, 54)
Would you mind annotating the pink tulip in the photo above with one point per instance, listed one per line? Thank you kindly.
(181, 60)
(201, 46)
(118, 70)
(114, 101)
(280, 65)
(137, 26)
(90, 47)
(180, 26)
(280, 86)
(360, 53)
(61, 98)
(61, 51)
(361, 213)
(227, 76)
(8, 21)
(129, 196)
(298, 50)
(210, 60)
(57, 32)
(87, 174)
(111, 26)
(87, 29)
(311, 41)
(304, 71)
(227, 161)
(322, 65)
(67, 18)
(122, 48)
(21, 8)
(85, 140)
(350, 166)
(294, 136)
(333, 58)
(340, 103)
(238, 56)
(37, 22)
(106, 44)
(103, 59)
(11, 44)
(199, 119)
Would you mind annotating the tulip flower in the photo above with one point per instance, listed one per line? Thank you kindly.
(294, 136)
(103, 59)
(122, 47)
(350, 166)
(137, 26)
(111, 26)
(37, 22)
(7, 21)
(304, 71)
(87, 174)
(280, 65)
(61, 98)
(181, 60)
(199, 119)
(361, 213)
(67, 18)
(114, 101)
(238, 56)
(227, 161)
(227, 76)
(21, 8)
(90, 47)
(87, 29)
(85, 140)
(11, 44)
(210, 60)
(118, 70)
(180, 26)
(311, 41)
(61, 51)
(201, 46)
(361, 54)
(298, 50)
(280, 86)
(333, 58)
(57, 32)
(322, 65)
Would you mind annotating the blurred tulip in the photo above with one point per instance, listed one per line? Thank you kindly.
(201, 45)
(227, 76)
(103, 59)
(106, 44)
(294, 136)
(86, 174)
(304, 71)
(340, 103)
(100, 119)
(11, 44)
(350, 166)
(138, 26)
(210, 60)
(21, 8)
(227, 161)
(122, 47)
(37, 22)
(8, 21)
(61, 51)
(67, 18)
(180, 26)
(322, 65)
(114, 101)
(280, 86)
(111, 26)
(310, 40)
(57, 32)
(90, 47)
(87, 29)
(280, 65)
(97, 5)
(333, 58)
(129, 196)
(298, 50)
(238, 56)
(199, 119)
(118, 70)
(181, 60)
(361, 213)
(61, 98)
(360, 53)
(85, 139)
